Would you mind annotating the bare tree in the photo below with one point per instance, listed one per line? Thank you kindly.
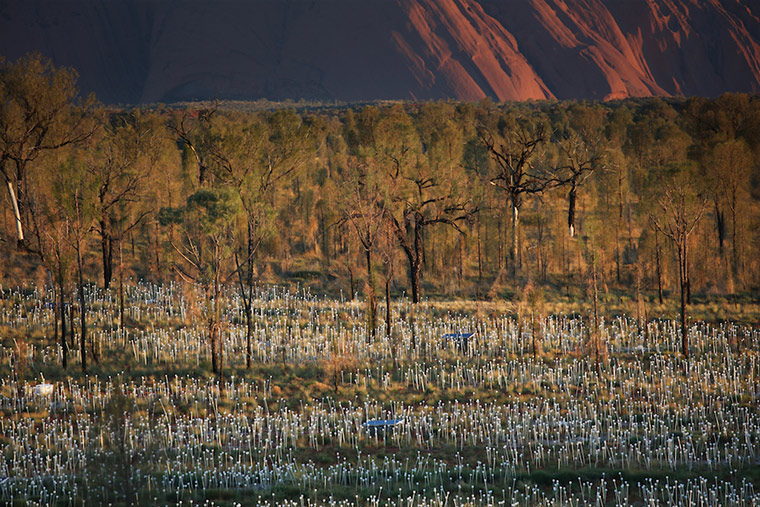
(512, 146)
(428, 203)
(580, 156)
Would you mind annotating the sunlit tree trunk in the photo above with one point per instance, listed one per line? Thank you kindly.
(106, 247)
(16, 214)
(121, 287)
(683, 277)
(371, 298)
(388, 308)
(571, 197)
(62, 309)
(514, 254)
(82, 309)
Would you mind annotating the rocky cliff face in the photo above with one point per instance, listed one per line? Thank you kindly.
(167, 50)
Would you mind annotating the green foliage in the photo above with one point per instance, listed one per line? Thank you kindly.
(74, 192)
(274, 188)
(213, 209)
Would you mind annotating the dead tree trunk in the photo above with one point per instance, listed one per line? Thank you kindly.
(682, 264)
(106, 247)
(371, 298)
(388, 308)
(514, 251)
(82, 310)
(571, 197)
(62, 309)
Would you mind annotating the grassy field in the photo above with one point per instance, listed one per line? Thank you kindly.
(536, 408)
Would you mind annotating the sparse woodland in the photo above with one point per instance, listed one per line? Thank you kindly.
(214, 301)
(454, 200)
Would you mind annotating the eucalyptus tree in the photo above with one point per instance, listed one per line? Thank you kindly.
(729, 166)
(206, 251)
(616, 127)
(581, 152)
(39, 112)
(426, 187)
(193, 132)
(681, 204)
(250, 156)
(74, 198)
(363, 205)
(513, 142)
(365, 197)
(121, 158)
(387, 252)
(256, 160)
(590, 247)
(655, 144)
(56, 237)
(227, 151)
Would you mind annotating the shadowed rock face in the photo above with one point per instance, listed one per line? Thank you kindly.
(133, 51)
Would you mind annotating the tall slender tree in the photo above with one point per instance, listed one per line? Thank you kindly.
(363, 206)
(253, 158)
(513, 143)
(730, 164)
(39, 112)
(207, 222)
(75, 190)
(424, 192)
(681, 205)
(120, 160)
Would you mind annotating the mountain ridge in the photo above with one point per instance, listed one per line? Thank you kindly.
(146, 51)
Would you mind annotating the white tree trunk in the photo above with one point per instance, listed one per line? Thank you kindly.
(16, 213)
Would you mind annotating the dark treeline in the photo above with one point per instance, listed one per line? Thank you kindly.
(649, 197)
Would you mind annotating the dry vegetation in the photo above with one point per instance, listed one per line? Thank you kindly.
(490, 421)
(159, 341)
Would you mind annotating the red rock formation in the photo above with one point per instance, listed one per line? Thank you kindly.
(155, 50)
(470, 52)
(590, 48)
